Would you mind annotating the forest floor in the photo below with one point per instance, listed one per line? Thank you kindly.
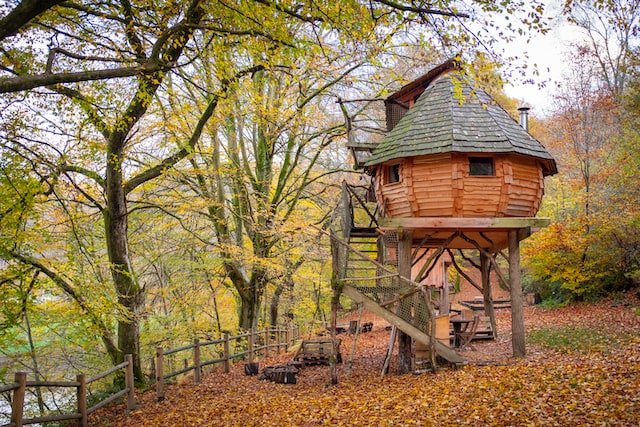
(582, 368)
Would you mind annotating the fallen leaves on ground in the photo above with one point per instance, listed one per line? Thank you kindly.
(549, 387)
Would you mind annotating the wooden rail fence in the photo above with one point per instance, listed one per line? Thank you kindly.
(258, 343)
(20, 385)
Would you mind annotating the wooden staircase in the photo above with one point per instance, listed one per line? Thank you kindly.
(378, 286)
(397, 300)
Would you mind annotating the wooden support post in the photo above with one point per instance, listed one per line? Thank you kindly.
(227, 354)
(251, 344)
(517, 313)
(405, 242)
(485, 273)
(288, 336)
(266, 342)
(159, 374)
(445, 300)
(130, 383)
(81, 396)
(17, 402)
(196, 361)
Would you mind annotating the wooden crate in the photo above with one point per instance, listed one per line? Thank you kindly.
(317, 352)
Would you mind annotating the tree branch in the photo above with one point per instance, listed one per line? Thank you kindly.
(16, 84)
(22, 14)
(168, 162)
(62, 283)
(421, 10)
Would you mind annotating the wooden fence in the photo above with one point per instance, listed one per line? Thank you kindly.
(20, 385)
(257, 343)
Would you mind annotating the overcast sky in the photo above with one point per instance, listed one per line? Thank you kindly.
(550, 53)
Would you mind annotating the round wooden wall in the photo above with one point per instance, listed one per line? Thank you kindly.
(441, 186)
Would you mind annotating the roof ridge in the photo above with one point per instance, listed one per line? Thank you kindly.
(493, 119)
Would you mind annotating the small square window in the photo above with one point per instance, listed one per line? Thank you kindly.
(481, 166)
(393, 173)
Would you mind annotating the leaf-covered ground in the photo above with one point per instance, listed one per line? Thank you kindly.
(566, 379)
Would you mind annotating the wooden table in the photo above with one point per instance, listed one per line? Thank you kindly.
(459, 325)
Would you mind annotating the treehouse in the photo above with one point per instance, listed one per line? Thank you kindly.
(451, 151)
(454, 172)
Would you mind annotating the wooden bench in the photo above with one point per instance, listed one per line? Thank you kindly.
(317, 352)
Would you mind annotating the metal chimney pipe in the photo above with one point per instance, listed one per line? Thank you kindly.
(524, 117)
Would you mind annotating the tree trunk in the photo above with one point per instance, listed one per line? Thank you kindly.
(251, 296)
(275, 302)
(129, 293)
(485, 272)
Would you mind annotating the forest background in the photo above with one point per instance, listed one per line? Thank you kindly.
(162, 165)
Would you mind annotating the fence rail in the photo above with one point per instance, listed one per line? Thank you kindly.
(272, 338)
(20, 385)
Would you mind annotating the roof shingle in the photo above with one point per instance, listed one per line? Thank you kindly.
(439, 122)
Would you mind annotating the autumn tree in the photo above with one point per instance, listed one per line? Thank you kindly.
(92, 98)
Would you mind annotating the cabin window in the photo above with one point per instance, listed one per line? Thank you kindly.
(393, 173)
(481, 166)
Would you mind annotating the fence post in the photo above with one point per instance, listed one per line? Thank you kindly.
(267, 338)
(130, 383)
(159, 373)
(81, 395)
(196, 361)
(17, 403)
(227, 365)
(251, 345)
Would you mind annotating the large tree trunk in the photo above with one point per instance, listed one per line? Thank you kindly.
(275, 302)
(129, 293)
(249, 310)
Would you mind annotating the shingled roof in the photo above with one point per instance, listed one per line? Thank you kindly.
(442, 122)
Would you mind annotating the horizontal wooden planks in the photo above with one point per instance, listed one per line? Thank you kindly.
(440, 186)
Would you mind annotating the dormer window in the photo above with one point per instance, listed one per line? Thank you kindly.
(393, 173)
(481, 166)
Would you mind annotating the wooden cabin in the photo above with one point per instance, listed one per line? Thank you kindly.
(452, 151)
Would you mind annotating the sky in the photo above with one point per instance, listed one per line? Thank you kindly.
(550, 53)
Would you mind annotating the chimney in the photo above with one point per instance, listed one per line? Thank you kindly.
(524, 117)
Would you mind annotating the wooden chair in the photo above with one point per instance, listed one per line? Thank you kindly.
(465, 336)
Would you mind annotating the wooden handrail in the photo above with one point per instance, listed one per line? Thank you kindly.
(21, 383)
(101, 375)
(8, 387)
